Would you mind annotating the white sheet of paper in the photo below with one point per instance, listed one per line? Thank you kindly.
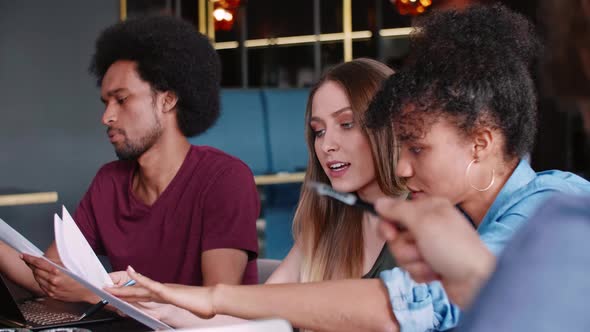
(75, 252)
(123, 306)
(268, 325)
(17, 241)
(14, 239)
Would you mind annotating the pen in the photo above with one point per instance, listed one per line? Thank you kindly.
(96, 307)
(346, 198)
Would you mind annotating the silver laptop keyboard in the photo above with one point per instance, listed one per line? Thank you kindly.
(38, 313)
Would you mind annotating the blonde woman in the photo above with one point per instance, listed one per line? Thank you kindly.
(332, 240)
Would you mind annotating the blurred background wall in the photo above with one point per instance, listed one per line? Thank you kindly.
(51, 138)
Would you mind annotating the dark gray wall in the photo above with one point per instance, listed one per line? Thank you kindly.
(51, 138)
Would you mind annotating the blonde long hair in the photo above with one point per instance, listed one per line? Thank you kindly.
(330, 233)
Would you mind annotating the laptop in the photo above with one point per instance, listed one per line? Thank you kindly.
(18, 308)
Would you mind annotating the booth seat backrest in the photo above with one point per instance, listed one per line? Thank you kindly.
(262, 127)
(240, 129)
(286, 110)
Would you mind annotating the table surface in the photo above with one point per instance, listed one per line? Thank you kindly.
(16, 196)
(279, 178)
(122, 324)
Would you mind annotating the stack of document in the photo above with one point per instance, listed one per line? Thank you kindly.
(80, 263)
(75, 252)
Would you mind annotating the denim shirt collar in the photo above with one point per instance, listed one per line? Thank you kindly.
(522, 175)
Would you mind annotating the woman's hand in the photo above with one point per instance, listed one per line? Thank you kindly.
(119, 278)
(198, 300)
(438, 243)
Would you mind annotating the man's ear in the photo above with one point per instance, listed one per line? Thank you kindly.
(169, 101)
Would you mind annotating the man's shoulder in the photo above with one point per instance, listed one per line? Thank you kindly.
(111, 178)
(537, 270)
(562, 206)
(212, 160)
(562, 213)
(115, 168)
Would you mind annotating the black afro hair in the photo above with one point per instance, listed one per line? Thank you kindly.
(171, 56)
(471, 67)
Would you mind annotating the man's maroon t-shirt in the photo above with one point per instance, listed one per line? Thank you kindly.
(211, 203)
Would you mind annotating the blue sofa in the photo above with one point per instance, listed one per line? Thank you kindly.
(265, 129)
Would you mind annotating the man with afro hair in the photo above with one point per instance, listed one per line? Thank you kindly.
(178, 213)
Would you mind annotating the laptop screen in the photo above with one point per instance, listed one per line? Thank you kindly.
(8, 300)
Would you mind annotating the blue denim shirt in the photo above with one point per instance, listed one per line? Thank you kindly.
(426, 307)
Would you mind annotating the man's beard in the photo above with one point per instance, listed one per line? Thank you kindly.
(133, 150)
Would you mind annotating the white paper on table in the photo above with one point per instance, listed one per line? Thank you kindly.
(265, 325)
(123, 306)
(76, 254)
(17, 241)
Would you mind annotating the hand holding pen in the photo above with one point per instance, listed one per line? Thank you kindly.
(346, 198)
(99, 305)
(439, 244)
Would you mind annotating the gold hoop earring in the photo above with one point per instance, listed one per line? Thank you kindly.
(471, 184)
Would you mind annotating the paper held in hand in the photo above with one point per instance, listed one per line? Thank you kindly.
(80, 262)
(75, 252)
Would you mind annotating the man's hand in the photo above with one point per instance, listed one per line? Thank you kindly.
(56, 284)
(438, 244)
